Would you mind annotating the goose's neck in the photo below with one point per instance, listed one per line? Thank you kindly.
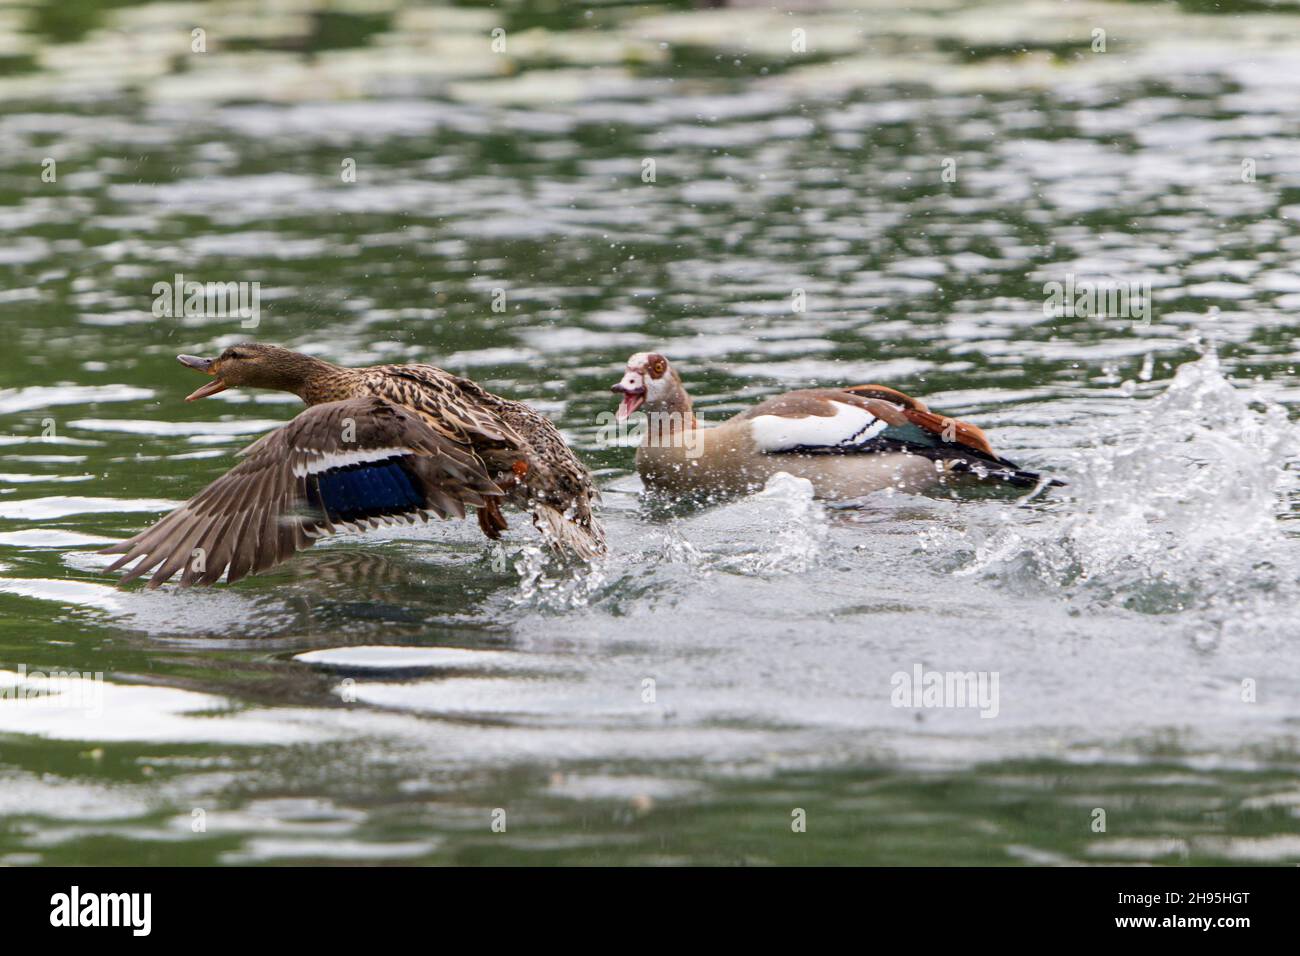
(670, 420)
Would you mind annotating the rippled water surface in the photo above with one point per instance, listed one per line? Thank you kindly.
(382, 698)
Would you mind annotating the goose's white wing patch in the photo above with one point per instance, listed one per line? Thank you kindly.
(849, 427)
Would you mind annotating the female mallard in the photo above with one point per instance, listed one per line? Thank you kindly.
(380, 445)
(848, 442)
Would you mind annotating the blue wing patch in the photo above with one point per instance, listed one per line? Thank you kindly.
(366, 490)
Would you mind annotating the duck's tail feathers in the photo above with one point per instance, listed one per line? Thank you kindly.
(579, 535)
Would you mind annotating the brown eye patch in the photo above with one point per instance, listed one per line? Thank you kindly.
(658, 365)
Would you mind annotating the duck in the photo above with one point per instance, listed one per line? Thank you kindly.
(382, 445)
(849, 442)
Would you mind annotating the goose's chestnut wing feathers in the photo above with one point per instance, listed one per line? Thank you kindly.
(347, 464)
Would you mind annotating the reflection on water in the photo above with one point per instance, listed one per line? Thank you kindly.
(379, 697)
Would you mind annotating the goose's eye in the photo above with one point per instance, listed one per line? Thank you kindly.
(658, 367)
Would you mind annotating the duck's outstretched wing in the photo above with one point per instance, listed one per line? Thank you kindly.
(352, 464)
(872, 419)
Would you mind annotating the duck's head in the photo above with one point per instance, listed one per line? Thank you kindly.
(252, 365)
(650, 382)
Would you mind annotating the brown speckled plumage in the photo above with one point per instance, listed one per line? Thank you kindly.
(456, 443)
(502, 432)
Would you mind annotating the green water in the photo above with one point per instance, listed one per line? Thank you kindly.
(406, 696)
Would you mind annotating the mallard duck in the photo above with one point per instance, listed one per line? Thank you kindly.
(848, 442)
(380, 445)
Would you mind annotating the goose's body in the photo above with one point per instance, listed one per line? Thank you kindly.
(379, 445)
(848, 442)
(733, 458)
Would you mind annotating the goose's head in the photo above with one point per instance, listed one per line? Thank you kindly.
(650, 382)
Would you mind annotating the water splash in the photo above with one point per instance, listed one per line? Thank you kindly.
(1175, 507)
(550, 583)
(675, 548)
(788, 525)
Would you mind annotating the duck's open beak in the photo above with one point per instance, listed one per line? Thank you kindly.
(205, 366)
(632, 387)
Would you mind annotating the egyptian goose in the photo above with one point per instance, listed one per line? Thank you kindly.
(848, 442)
(381, 445)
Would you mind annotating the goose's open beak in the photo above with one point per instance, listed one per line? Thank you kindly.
(632, 387)
(205, 366)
